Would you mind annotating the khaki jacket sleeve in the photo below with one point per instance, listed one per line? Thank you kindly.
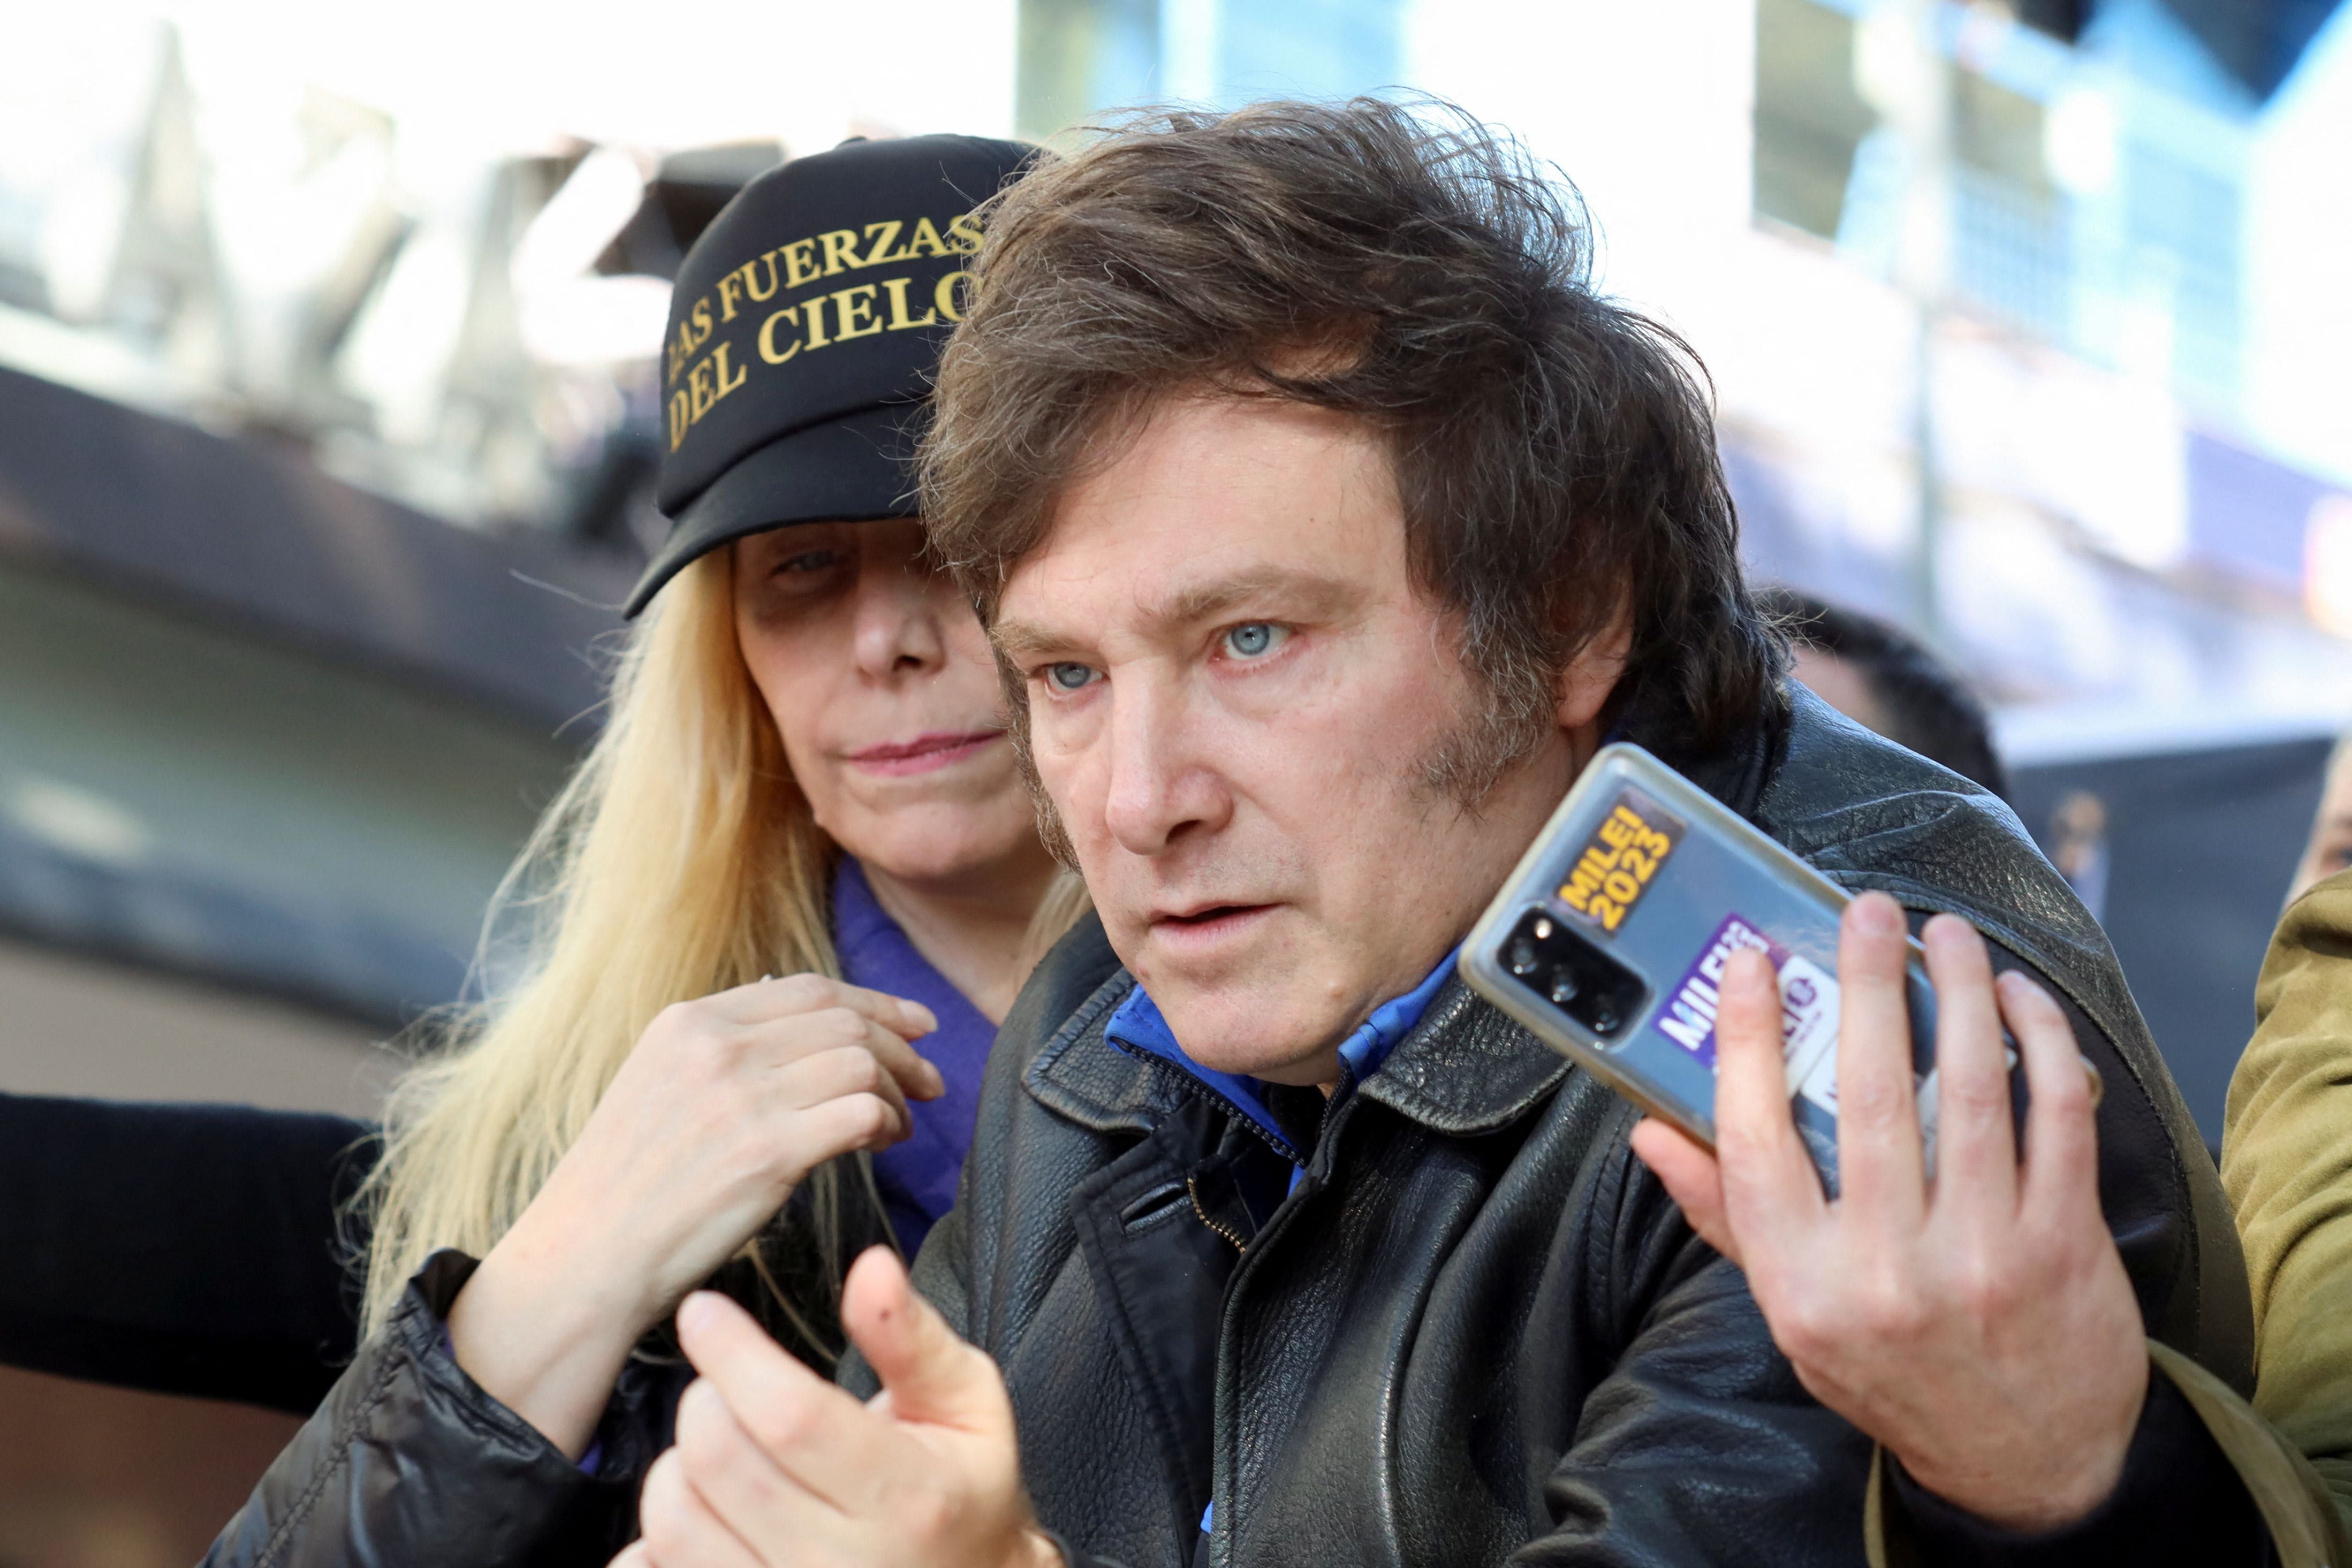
(2306, 1528)
(2287, 1162)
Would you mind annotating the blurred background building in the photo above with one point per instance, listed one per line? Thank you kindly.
(328, 425)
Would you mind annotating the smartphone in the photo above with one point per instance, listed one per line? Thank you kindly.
(1611, 937)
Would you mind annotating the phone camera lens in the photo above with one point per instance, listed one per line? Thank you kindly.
(1558, 970)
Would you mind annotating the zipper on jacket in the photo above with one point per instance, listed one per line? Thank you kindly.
(1223, 1457)
(1192, 1086)
(1192, 1186)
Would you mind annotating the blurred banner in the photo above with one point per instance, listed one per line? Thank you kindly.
(2191, 853)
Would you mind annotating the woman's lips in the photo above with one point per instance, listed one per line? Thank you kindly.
(924, 754)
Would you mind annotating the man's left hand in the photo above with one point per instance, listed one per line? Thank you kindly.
(775, 1466)
(1980, 1325)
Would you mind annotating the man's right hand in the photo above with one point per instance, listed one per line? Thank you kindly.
(1979, 1326)
(723, 1106)
(774, 1467)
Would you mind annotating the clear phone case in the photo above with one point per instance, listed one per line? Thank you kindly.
(1610, 938)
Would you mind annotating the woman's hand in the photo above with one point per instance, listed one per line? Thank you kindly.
(722, 1108)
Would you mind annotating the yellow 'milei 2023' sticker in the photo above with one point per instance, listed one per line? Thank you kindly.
(1619, 859)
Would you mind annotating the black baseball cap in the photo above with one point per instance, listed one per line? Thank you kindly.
(804, 334)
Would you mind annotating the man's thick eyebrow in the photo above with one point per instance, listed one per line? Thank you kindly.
(1313, 593)
(1307, 592)
(1016, 640)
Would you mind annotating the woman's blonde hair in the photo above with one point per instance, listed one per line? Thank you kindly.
(681, 859)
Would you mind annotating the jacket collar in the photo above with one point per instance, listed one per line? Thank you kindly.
(1464, 1069)
(1137, 1026)
(1077, 1075)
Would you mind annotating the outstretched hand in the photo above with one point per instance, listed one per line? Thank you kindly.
(1979, 1325)
(776, 1466)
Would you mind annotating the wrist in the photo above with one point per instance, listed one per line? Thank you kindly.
(546, 1338)
(2055, 1504)
(2029, 1490)
(542, 1301)
(584, 1273)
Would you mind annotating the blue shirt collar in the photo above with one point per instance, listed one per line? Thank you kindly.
(1136, 1027)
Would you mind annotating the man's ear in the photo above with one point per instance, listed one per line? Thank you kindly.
(1590, 676)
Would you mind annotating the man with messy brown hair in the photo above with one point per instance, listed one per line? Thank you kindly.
(1327, 521)
(1412, 281)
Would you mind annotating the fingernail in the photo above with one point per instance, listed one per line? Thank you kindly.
(921, 1017)
(1878, 915)
(695, 1312)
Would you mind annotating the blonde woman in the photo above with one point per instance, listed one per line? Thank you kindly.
(799, 846)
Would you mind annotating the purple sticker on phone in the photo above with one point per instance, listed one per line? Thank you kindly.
(1809, 1009)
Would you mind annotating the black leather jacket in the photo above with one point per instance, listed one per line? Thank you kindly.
(1478, 1330)
(408, 1463)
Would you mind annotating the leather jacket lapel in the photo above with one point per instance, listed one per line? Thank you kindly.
(1079, 1075)
(1160, 1271)
(1466, 1068)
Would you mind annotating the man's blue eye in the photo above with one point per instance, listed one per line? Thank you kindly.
(812, 560)
(1252, 638)
(1069, 677)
